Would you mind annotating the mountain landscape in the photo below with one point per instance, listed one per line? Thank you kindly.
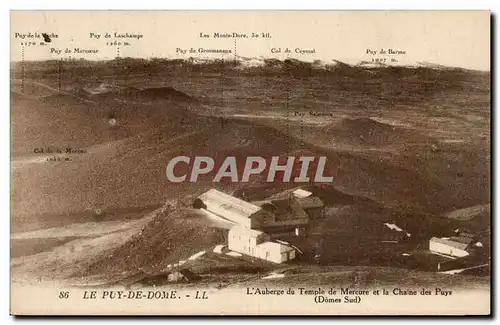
(90, 141)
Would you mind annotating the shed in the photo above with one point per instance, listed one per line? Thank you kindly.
(275, 252)
(448, 247)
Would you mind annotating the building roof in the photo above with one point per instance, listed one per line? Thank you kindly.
(450, 242)
(300, 193)
(284, 209)
(217, 218)
(246, 231)
(228, 203)
(310, 202)
(466, 234)
(460, 239)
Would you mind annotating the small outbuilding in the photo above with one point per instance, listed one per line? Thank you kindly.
(449, 246)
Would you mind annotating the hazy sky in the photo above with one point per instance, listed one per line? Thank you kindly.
(453, 38)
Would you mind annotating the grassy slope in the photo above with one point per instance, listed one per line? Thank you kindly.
(128, 172)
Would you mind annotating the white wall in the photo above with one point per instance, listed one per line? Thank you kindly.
(238, 242)
(241, 243)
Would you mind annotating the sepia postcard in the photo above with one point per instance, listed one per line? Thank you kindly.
(250, 163)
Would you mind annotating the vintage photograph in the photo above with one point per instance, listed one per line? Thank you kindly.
(250, 163)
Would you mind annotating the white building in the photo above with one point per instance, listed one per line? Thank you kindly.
(275, 252)
(448, 246)
(268, 215)
(232, 209)
(247, 221)
(256, 244)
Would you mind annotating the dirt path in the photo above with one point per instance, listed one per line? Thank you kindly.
(88, 229)
(59, 263)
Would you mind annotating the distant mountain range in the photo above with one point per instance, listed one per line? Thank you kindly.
(261, 66)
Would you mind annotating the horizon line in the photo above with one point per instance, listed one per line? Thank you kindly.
(417, 64)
